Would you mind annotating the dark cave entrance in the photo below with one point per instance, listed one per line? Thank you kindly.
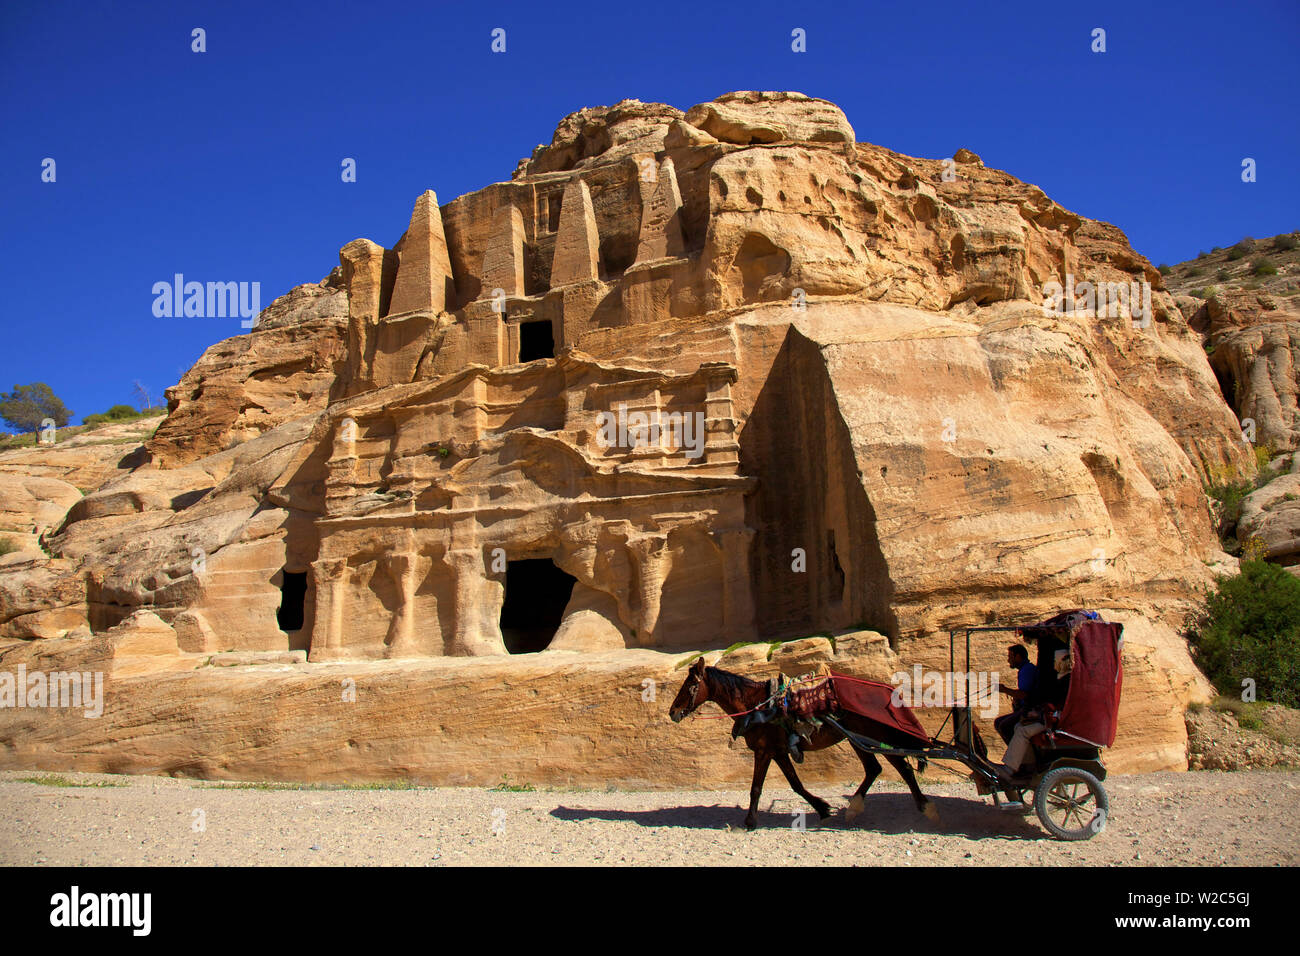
(537, 593)
(293, 599)
(536, 341)
(1228, 387)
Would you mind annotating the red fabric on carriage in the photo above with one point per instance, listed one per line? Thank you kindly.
(1096, 678)
(875, 700)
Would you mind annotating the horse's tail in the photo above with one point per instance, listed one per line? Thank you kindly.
(921, 764)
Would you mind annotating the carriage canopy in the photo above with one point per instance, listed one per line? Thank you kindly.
(1091, 709)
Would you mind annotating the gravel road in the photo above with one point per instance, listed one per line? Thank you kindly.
(1209, 818)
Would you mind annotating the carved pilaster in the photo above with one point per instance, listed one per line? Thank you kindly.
(652, 561)
(401, 630)
(474, 635)
(330, 576)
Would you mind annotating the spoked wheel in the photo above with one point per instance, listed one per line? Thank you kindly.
(1071, 803)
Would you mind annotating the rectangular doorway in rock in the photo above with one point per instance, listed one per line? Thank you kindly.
(293, 597)
(537, 593)
(553, 211)
(536, 341)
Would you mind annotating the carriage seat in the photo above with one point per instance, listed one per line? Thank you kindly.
(1052, 721)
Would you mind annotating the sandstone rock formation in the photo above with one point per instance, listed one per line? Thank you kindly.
(687, 380)
(1250, 338)
(1249, 321)
(31, 505)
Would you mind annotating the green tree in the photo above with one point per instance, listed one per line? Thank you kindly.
(1250, 628)
(28, 405)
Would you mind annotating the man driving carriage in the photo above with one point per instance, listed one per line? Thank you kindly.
(1017, 660)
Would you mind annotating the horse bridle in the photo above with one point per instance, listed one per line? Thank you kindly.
(696, 703)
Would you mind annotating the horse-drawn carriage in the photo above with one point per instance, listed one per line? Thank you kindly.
(1066, 774)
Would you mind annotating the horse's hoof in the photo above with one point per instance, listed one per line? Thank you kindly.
(931, 811)
(856, 806)
(823, 810)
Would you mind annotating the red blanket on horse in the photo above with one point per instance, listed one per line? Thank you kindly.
(876, 701)
(866, 698)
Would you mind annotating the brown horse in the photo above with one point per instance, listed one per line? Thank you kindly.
(739, 695)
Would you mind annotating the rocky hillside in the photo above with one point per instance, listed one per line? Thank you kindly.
(1244, 302)
(1265, 268)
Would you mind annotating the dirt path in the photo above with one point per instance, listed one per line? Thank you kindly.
(1245, 818)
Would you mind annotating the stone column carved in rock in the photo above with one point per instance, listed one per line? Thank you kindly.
(577, 243)
(330, 578)
(401, 568)
(661, 219)
(503, 262)
(472, 637)
(652, 560)
(424, 278)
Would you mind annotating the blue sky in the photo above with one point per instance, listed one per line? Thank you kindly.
(225, 165)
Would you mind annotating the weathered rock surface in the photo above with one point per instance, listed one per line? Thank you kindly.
(1270, 516)
(555, 718)
(39, 597)
(141, 644)
(746, 118)
(31, 504)
(247, 385)
(1251, 338)
(688, 380)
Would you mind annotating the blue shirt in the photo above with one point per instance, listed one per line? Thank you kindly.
(1025, 680)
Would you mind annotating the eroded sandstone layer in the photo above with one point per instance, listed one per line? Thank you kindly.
(686, 380)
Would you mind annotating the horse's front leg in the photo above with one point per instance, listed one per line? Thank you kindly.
(787, 767)
(762, 758)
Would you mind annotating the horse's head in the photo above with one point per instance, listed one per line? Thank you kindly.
(694, 692)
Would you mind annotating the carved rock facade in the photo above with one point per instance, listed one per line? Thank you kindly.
(709, 377)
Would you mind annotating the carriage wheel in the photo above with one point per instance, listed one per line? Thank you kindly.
(1071, 803)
